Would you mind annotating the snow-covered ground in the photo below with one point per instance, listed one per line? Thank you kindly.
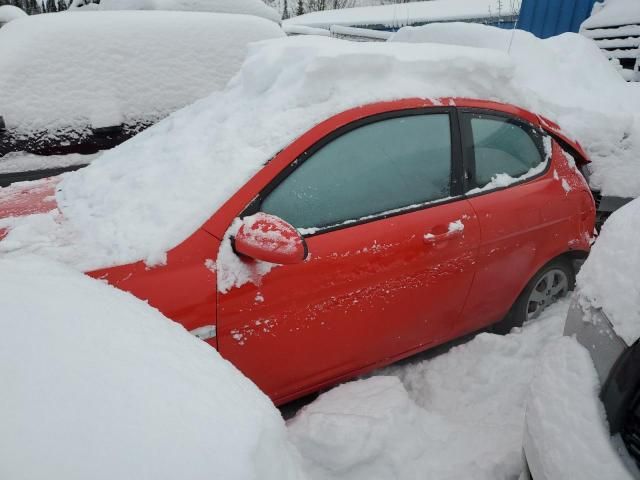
(458, 415)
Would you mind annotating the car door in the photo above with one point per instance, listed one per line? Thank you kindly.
(391, 245)
(518, 202)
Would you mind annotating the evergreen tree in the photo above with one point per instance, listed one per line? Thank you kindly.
(300, 10)
(62, 5)
(285, 11)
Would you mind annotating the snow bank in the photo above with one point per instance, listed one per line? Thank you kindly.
(394, 16)
(567, 434)
(457, 415)
(9, 13)
(610, 278)
(70, 72)
(613, 13)
(247, 7)
(26, 162)
(96, 384)
(570, 81)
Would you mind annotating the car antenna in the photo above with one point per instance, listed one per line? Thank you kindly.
(515, 26)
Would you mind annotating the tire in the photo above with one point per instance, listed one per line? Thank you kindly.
(552, 282)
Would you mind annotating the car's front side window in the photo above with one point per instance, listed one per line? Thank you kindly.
(379, 167)
(502, 146)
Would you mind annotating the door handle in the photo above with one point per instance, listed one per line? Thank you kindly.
(454, 229)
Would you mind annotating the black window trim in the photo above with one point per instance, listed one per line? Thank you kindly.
(468, 153)
(456, 180)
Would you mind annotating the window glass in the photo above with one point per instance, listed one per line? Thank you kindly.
(382, 166)
(502, 146)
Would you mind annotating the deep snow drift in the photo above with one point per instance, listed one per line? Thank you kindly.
(566, 424)
(70, 72)
(146, 196)
(97, 384)
(459, 415)
(610, 279)
(571, 82)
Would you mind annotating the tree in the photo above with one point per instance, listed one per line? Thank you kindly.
(285, 11)
(300, 10)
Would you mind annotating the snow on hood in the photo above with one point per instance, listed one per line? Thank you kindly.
(610, 278)
(97, 384)
(566, 434)
(571, 83)
(109, 68)
(141, 199)
(247, 7)
(613, 13)
(9, 13)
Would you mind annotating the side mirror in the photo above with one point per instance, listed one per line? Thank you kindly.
(270, 239)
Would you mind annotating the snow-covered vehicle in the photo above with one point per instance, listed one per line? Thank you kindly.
(597, 361)
(285, 222)
(81, 82)
(614, 25)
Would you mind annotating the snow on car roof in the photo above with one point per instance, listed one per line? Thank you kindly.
(248, 7)
(610, 278)
(9, 13)
(97, 384)
(613, 13)
(573, 84)
(146, 196)
(405, 14)
(71, 71)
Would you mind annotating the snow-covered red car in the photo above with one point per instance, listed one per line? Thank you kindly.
(596, 364)
(313, 234)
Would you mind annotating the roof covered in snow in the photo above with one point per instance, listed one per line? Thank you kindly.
(97, 384)
(247, 7)
(610, 278)
(399, 15)
(9, 13)
(613, 13)
(72, 71)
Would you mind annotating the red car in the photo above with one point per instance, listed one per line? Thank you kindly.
(397, 226)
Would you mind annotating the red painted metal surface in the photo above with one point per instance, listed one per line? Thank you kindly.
(373, 292)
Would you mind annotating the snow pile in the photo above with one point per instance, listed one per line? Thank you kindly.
(247, 7)
(9, 13)
(610, 278)
(571, 82)
(394, 16)
(112, 68)
(96, 384)
(458, 415)
(613, 13)
(567, 435)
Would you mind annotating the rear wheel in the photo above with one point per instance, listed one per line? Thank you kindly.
(547, 286)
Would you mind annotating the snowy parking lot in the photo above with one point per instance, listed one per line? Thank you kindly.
(322, 259)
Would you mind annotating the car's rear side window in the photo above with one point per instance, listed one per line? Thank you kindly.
(502, 146)
(379, 167)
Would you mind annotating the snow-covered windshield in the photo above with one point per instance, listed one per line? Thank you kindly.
(610, 278)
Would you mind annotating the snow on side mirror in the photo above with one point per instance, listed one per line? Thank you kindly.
(270, 239)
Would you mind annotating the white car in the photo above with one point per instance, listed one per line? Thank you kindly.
(566, 432)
